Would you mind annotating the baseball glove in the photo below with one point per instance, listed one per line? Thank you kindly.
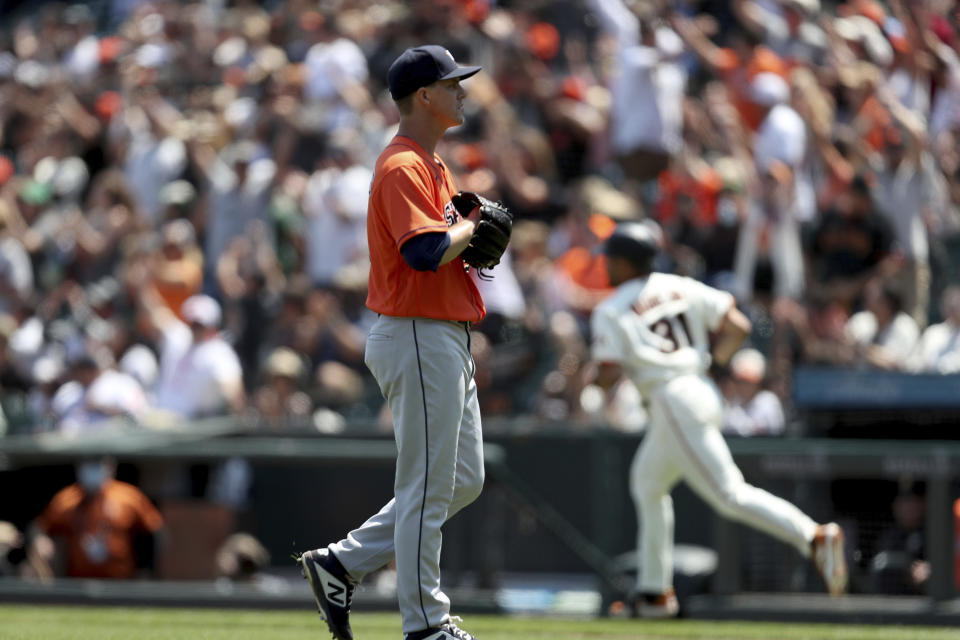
(492, 234)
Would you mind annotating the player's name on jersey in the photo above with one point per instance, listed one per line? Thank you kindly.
(644, 305)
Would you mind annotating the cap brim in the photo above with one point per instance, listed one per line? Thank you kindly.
(461, 73)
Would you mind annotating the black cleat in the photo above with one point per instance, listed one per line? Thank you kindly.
(333, 590)
(446, 631)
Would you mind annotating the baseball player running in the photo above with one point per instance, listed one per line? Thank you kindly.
(656, 329)
(419, 352)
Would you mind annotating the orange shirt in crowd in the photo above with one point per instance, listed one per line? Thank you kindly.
(177, 280)
(703, 190)
(411, 194)
(100, 529)
(585, 268)
(737, 75)
(873, 119)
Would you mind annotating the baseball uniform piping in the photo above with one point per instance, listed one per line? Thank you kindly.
(426, 472)
(473, 362)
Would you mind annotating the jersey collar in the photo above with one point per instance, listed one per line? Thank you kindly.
(413, 144)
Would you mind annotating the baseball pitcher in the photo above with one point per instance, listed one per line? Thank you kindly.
(423, 237)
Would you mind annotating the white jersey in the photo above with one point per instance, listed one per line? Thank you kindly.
(658, 327)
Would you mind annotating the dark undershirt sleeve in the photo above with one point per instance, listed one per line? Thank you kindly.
(423, 252)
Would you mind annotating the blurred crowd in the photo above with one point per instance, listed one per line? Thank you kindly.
(184, 184)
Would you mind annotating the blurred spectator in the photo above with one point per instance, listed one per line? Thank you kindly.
(241, 558)
(338, 392)
(110, 214)
(900, 566)
(39, 229)
(46, 373)
(912, 194)
(751, 410)
(531, 262)
(686, 208)
(858, 105)
(287, 218)
(736, 65)
(732, 209)
(154, 156)
(328, 333)
(96, 393)
(335, 71)
(140, 362)
(781, 135)
(559, 397)
(908, 76)
(939, 348)
(769, 255)
(82, 60)
(15, 388)
(109, 529)
(200, 374)
(239, 193)
(503, 299)
(177, 268)
(860, 35)
(237, 181)
(828, 165)
(525, 137)
(945, 109)
(289, 318)
(647, 87)
(578, 279)
(787, 28)
(281, 395)
(882, 335)
(16, 270)
(251, 282)
(335, 207)
(849, 245)
(177, 199)
(12, 552)
(816, 330)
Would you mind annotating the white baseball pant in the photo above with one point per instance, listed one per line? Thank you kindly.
(425, 371)
(684, 442)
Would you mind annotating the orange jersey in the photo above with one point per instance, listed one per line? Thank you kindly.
(99, 530)
(410, 195)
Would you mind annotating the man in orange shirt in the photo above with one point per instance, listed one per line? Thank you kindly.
(109, 527)
(419, 352)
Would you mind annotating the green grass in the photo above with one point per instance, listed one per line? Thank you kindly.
(27, 622)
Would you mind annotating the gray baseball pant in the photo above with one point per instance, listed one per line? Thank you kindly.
(425, 371)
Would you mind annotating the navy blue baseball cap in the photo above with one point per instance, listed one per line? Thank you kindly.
(421, 66)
